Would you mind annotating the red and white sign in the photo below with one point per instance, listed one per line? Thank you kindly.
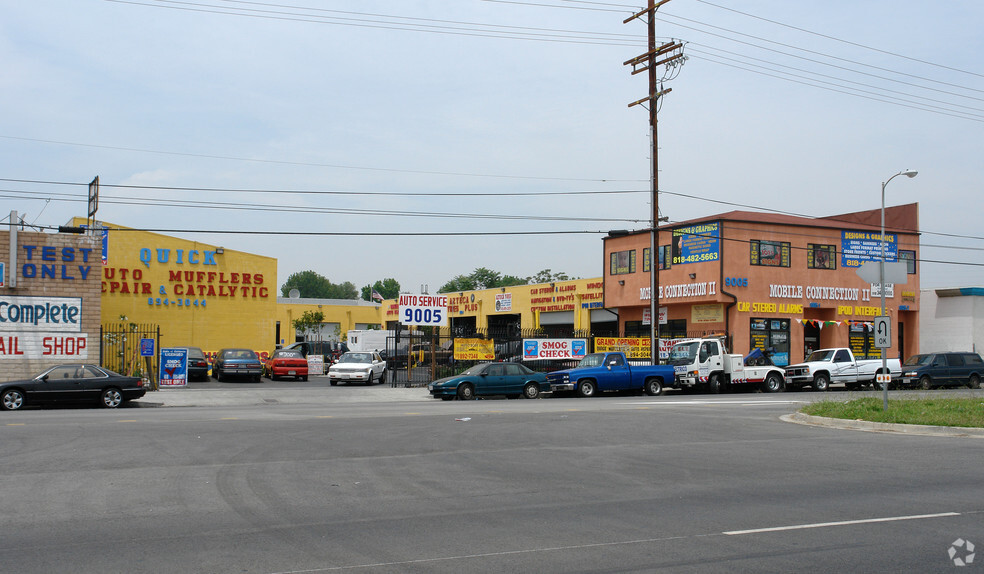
(570, 349)
(58, 346)
(647, 320)
(429, 310)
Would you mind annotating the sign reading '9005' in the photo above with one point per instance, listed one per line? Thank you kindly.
(424, 310)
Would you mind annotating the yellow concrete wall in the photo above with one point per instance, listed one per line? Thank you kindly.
(347, 316)
(199, 297)
(528, 301)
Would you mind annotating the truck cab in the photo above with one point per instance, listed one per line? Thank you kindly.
(705, 363)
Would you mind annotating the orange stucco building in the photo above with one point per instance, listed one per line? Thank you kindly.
(769, 281)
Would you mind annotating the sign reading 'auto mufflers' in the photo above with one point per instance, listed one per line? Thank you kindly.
(42, 328)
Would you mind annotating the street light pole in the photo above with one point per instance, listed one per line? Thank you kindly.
(881, 279)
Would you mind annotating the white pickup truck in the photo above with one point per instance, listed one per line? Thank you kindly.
(838, 365)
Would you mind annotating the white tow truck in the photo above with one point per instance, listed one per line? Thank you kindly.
(838, 365)
(706, 364)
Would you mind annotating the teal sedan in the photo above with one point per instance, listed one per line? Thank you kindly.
(510, 379)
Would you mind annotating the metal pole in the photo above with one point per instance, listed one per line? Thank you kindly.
(881, 279)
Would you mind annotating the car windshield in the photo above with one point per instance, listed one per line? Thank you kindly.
(194, 353)
(592, 360)
(283, 354)
(918, 360)
(684, 351)
(820, 356)
(355, 358)
(475, 370)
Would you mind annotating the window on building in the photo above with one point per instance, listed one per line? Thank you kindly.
(910, 260)
(771, 336)
(770, 253)
(622, 262)
(861, 340)
(664, 258)
(673, 329)
(821, 256)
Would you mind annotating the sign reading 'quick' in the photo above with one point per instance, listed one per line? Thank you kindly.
(58, 314)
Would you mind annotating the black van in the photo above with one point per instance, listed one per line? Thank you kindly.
(943, 370)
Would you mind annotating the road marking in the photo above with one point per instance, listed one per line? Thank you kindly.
(16, 424)
(721, 402)
(324, 417)
(229, 419)
(841, 523)
(127, 421)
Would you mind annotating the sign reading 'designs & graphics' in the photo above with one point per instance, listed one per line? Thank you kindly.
(424, 310)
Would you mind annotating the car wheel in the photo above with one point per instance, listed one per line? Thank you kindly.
(111, 398)
(304, 378)
(714, 384)
(218, 375)
(654, 387)
(257, 379)
(382, 377)
(466, 392)
(12, 400)
(369, 382)
(974, 382)
(772, 384)
(586, 388)
(333, 383)
(273, 377)
(925, 382)
(821, 383)
(531, 391)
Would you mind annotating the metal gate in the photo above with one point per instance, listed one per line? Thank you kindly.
(119, 349)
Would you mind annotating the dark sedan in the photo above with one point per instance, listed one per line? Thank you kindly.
(510, 379)
(197, 365)
(75, 383)
(237, 363)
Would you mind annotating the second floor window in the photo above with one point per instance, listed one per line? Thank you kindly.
(821, 256)
(769, 253)
(622, 262)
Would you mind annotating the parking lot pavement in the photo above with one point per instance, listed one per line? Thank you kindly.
(267, 392)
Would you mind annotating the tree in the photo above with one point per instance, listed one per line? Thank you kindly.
(387, 288)
(313, 285)
(481, 278)
(547, 276)
(309, 321)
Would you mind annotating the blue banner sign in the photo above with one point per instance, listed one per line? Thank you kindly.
(860, 246)
(696, 243)
(174, 368)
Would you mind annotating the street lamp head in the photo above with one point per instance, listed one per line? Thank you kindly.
(910, 173)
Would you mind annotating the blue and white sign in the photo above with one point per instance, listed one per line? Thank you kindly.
(174, 368)
(558, 349)
(430, 310)
(860, 246)
(146, 347)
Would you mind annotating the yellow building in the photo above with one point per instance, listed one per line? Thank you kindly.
(561, 306)
(199, 295)
(340, 317)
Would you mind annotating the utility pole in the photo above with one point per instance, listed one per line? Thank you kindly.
(670, 54)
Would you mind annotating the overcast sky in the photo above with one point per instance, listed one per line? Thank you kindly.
(407, 115)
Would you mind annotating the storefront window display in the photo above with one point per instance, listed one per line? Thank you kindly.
(771, 335)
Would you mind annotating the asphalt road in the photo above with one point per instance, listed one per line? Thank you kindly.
(396, 482)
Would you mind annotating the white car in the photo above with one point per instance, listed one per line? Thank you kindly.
(358, 367)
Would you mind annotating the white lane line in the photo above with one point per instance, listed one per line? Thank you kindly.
(704, 403)
(841, 523)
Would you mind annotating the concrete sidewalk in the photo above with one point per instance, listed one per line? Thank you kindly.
(190, 397)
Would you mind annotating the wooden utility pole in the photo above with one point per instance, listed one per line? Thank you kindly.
(667, 53)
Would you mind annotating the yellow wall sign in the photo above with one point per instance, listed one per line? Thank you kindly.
(707, 313)
(633, 347)
(474, 350)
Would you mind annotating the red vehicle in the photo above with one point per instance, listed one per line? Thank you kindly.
(286, 363)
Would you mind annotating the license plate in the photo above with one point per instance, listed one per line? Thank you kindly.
(291, 372)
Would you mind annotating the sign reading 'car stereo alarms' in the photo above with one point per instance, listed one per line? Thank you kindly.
(429, 310)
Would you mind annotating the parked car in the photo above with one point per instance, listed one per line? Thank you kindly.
(942, 370)
(286, 363)
(358, 367)
(510, 379)
(197, 365)
(238, 363)
(72, 383)
(423, 352)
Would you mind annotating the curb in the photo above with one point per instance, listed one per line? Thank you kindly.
(867, 426)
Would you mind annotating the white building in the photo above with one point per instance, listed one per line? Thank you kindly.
(951, 319)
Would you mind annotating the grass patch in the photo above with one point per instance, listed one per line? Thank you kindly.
(926, 411)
